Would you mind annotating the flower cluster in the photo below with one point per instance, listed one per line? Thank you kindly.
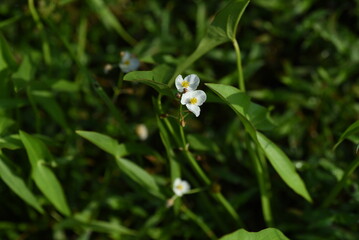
(191, 97)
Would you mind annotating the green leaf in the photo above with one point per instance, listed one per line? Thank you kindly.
(24, 74)
(5, 123)
(48, 102)
(227, 20)
(104, 142)
(283, 166)
(139, 175)
(351, 130)
(222, 29)
(17, 185)
(252, 115)
(7, 60)
(95, 225)
(266, 234)
(131, 169)
(151, 78)
(110, 20)
(9, 103)
(11, 142)
(44, 178)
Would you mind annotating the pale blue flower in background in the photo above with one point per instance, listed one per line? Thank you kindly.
(129, 62)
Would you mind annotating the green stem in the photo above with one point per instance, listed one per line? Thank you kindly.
(339, 186)
(40, 26)
(206, 229)
(241, 84)
(218, 196)
(264, 183)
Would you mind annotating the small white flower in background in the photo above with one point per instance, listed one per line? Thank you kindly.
(189, 83)
(180, 187)
(142, 131)
(128, 62)
(193, 100)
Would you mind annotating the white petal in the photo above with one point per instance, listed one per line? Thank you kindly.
(180, 187)
(186, 98)
(200, 95)
(178, 83)
(193, 81)
(193, 108)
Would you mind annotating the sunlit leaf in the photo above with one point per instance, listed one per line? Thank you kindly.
(104, 142)
(18, 186)
(252, 115)
(44, 178)
(266, 234)
(283, 166)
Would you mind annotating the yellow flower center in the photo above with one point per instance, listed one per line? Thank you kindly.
(180, 187)
(185, 84)
(127, 62)
(193, 100)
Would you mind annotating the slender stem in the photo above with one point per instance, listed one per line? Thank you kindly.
(338, 187)
(263, 180)
(218, 196)
(206, 229)
(40, 26)
(241, 84)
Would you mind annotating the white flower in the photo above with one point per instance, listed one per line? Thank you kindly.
(128, 62)
(180, 187)
(189, 83)
(193, 100)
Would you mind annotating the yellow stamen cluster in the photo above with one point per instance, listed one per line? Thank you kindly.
(185, 84)
(193, 100)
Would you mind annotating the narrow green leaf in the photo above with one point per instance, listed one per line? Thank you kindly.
(7, 60)
(24, 73)
(95, 225)
(44, 178)
(11, 142)
(283, 166)
(151, 78)
(139, 175)
(5, 123)
(9, 103)
(109, 20)
(252, 115)
(131, 169)
(222, 29)
(266, 234)
(351, 130)
(46, 100)
(18, 186)
(104, 142)
(227, 20)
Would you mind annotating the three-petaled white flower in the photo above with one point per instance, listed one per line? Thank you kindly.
(189, 83)
(180, 187)
(193, 100)
(129, 62)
